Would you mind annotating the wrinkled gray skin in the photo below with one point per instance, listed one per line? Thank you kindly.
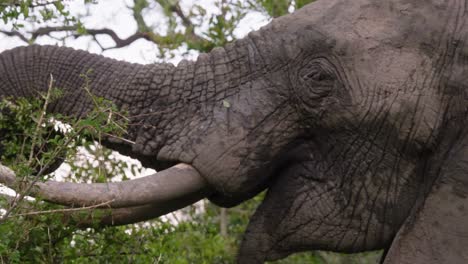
(352, 113)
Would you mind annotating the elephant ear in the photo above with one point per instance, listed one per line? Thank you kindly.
(438, 232)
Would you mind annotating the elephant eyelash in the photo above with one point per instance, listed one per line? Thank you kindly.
(318, 76)
(317, 79)
(316, 73)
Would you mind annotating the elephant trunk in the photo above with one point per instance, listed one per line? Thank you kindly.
(162, 101)
(152, 95)
(27, 71)
(164, 104)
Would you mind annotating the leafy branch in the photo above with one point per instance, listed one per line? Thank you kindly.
(26, 143)
(13, 10)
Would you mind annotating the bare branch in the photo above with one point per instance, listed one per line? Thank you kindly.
(15, 34)
(21, 195)
(176, 9)
(137, 9)
(189, 26)
(143, 32)
(40, 122)
(119, 42)
(66, 210)
(46, 31)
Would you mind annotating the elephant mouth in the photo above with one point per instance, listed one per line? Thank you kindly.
(165, 165)
(287, 206)
(301, 154)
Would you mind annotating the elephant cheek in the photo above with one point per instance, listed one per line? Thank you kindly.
(290, 219)
(260, 238)
(259, 241)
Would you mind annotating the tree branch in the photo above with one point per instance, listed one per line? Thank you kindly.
(15, 33)
(65, 210)
(175, 8)
(119, 42)
(194, 40)
(46, 31)
(162, 41)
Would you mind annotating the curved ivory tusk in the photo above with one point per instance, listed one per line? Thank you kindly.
(112, 217)
(180, 182)
(129, 215)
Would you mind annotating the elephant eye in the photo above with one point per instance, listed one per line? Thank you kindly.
(317, 78)
(315, 73)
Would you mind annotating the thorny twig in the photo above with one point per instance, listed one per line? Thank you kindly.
(66, 210)
(40, 121)
(22, 195)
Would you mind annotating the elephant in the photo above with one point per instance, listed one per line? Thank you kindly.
(351, 114)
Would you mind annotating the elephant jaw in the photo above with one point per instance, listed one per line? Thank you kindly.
(290, 218)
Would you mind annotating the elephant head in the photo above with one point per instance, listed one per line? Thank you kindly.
(351, 113)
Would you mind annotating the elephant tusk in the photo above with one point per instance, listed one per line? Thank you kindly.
(128, 215)
(91, 217)
(179, 183)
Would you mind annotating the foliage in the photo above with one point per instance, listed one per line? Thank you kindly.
(29, 143)
(39, 11)
(48, 241)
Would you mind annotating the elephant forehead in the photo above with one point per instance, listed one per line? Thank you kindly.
(366, 24)
(386, 72)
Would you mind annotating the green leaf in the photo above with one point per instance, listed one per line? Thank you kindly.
(301, 3)
(59, 6)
